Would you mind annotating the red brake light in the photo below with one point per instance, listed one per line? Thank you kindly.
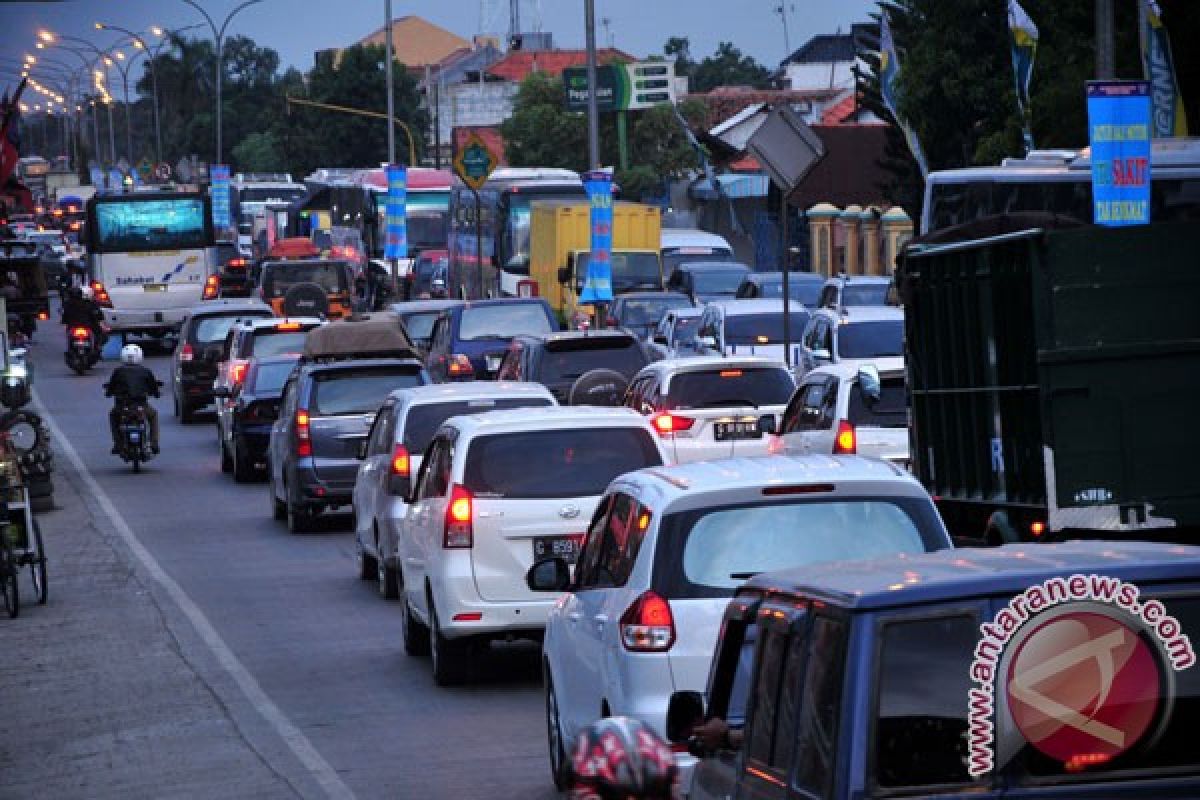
(846, 440)
(1037, 528)
(288, 326)
(401, 463)
(80, 333)
(459, 365)
(43, 316)
(303, 439)
(237, 371)
(458, 532)
(730, 373)
(186, 353)
(101, 295)
(211, 288)
(648, 626)
(236, 262)
(666, 423)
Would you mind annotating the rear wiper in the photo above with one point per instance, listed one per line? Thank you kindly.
(743, 576)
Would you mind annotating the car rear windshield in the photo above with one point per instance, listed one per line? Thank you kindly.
(359, 391)
(630, 271)
(865, 294)
(710, 552)
(329, 275)
(674, 256)
(871, 339)
(722, 281)
(649, 311)
(269, 377)
(763, 328)
(503, 321)
(422, 422)
(568, 360)
(889, 411)
(419, 324)
(721, 388)
(558, 463)
(269, 342)
(801, 290)
(214, 329)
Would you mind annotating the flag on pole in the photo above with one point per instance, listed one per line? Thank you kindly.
(889, 68)
(10, 143)
(1159, 68)
(1024, 48)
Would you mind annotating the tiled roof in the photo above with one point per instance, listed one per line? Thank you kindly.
(725, 102)
(418, 42)
(517, 65)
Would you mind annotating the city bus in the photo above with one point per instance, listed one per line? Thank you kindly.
(249, 194)
(502, 228)
(150, 256)
(1058, 181)
(360, 202)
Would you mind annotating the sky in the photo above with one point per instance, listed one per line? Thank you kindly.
(298, 28)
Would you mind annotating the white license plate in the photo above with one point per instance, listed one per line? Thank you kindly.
(725, 431)
(154, 287)
(493, 362)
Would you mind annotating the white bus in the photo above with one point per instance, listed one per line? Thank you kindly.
(1059, 181)
(151, 255)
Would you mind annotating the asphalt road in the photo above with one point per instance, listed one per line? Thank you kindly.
(304, 659)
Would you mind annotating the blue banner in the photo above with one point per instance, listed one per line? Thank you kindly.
(1120, 128)
(221, 213)
(1024, 49)
(597, 286)
(1158, 67)
(889, 69)
(396, 224)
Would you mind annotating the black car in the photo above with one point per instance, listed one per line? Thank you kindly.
(419, 316)
(577, 366)
(234, 271)
(253, 408)
(469, 340)
(641, 312)
(708, 280)
(803, 287)
(201, 338)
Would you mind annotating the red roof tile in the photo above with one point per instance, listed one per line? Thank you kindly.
(517, 66)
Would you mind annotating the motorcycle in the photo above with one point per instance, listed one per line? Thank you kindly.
(83, 351)
(133, 440)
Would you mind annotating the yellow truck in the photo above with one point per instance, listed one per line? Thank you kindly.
(560, 246)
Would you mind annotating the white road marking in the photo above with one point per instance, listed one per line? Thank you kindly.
(297, 742)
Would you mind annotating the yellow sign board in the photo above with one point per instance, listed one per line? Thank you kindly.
(474, 162)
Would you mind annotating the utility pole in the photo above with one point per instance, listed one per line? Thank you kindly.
(589, 11)
(391, 99)
(1105, 45)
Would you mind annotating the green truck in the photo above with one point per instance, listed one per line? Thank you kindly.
(1054, 377)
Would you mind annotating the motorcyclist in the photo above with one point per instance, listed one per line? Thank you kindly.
(80, 309)
(620, 758)
(131, 383)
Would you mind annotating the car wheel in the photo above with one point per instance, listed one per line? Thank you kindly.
(226, 459)
(278, 509)
(554, 738)
(385, 578)
(299, 520)
(243, 467)
(187, 412)
(416, 635)
(366, 562)
(446, 655)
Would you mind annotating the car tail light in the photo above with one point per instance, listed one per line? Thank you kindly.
(666, 423)
(458, 532)
(303, 435)
(101, 295)
(288, 326)
(237, 372)
(211, 288)
(648, 626)
(845, 442)
(459, 366)
(235, 263)
(527, 288)
(186, 353)
(43, 316)
(80, 333)
(1037, 528)
(401, 463)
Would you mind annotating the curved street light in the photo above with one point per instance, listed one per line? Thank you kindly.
(219, 41)
(88, 65)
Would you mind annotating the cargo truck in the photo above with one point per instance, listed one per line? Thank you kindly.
(560, 247)
(1054, 374)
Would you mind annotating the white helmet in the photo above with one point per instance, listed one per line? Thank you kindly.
(131, 354)
(88, 294)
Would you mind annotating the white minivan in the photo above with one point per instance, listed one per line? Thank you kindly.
(680, 245)
(495, 492)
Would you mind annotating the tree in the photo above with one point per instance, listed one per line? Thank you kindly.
(680, 48)
(728, 67)
(259, 152)
(539, 132)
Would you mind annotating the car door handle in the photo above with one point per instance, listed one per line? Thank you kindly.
(574, 616)
(601, 621)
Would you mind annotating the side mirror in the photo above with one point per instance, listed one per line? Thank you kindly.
(821, 355)
(549, 575)
(222, 391)
(399, 486)
(659, 338)
(868, 382)
(685, 710)
(766, 425)
(564, 275)
(707, 341)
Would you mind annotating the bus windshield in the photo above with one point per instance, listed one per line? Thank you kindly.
(517, 224)
(263, 194)
(427, 217)
(130, 225)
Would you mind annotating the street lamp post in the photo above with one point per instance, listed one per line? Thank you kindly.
(143, 47)
(593, 115)
(87, 67)
(219, 41)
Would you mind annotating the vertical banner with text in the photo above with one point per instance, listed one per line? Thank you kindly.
(597, 285)
(396, 227)
(1120, 128)
(221, 212)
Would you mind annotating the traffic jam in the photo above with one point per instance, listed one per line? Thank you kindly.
(604, 497)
